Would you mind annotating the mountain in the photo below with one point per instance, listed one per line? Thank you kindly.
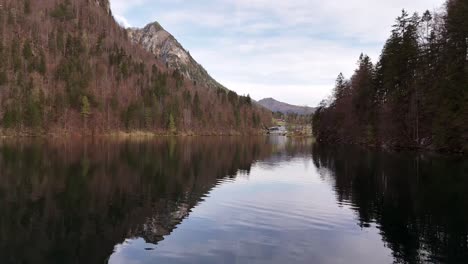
(277, 106)
(155, 39)
(69, 68)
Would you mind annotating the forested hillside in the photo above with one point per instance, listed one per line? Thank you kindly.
(415, 96)
(68, 67)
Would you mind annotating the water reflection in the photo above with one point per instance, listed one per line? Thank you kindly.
(228, 200)
(71, 202)
(419, 202)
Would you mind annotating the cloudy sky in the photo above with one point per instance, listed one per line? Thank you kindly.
(291, 50)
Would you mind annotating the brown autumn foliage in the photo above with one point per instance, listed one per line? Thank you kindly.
(68, 67)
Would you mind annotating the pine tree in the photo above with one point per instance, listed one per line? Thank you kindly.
(3, 77)
(27, 7)
(85, 110)
(15, 55)
(171, 125)
(27, 51)
(340, 87)
(196, 106)
(42, 66)
(33, 113)
(416, 95)
(452, 116)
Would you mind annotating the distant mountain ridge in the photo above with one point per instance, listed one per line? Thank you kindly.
(155, 39)
(277, 106)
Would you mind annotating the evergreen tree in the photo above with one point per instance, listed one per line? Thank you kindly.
(85, 110)
(42, 66)
(196, 106)
(171, 125)
(3, 77)
(27, 7)
(417, 93)
(15, 55)
(27, 51)
(452, 116)
(340, 87)
(33, 113)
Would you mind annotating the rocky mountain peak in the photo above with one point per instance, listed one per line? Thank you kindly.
(154, 38)
(154, 27)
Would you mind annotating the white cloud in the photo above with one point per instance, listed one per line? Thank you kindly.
(291, 50)
(122, 21)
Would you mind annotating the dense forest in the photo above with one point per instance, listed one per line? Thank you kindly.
(414, 96)
(68, 67)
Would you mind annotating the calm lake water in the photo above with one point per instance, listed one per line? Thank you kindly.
(228, 200)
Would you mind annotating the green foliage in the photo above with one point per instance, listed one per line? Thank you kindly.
(134, 116)
(27, 7)
(177, 75)
(25, 109)
(74, 46)
(124, 66)
(27, 51)
(148, 117)
(63, 11)
(3, 77)
(187, 97)
(233, 98)
(10, 17)
(2, 27)
(196, 106)
(256, 119)
(159, 85)
(99, 47)
(85, 107)
(171, 125)
(11, 117)
(220, 92)
(51, 43)
(15, 55)
(237, 116)
(74, 70)
(340, 88)
(114, 102)
(33, 113)
(42, 65)
(60, 40)
(245, 100)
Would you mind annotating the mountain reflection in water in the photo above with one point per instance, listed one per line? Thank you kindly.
(228, 200)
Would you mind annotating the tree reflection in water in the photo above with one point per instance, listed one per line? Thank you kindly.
(419, 202)
(73, 201)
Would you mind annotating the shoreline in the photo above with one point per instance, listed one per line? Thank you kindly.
(123, 134)
(396, 149)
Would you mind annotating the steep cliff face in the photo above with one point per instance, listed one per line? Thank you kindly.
(155, 39)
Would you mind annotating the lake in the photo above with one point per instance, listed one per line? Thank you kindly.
(228, 200)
